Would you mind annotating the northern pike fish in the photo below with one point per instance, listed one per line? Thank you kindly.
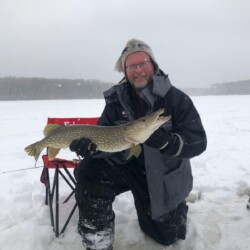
(107, 138)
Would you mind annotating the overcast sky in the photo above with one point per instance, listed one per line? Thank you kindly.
(197, 42)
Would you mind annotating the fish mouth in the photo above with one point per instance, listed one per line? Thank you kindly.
(156, 117)
(161, 118)
(159, 114)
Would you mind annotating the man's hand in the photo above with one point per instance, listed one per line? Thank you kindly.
(83, 147)
(160, 139)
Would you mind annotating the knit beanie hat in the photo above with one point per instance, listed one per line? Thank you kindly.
(131, 47)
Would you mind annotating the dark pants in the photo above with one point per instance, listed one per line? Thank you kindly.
(98, 182)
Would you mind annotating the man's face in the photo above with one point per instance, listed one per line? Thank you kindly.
(139, 70)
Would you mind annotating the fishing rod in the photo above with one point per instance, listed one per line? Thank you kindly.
(22, 169)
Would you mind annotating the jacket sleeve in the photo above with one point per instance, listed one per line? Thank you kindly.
(189, 136)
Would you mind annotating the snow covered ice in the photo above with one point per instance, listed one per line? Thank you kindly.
(217, 218)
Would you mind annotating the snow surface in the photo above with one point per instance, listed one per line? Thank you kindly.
(218, 218)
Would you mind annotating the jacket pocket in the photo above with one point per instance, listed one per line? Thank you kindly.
(178, 184)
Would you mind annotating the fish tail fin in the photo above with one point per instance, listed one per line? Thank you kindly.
(34, 149)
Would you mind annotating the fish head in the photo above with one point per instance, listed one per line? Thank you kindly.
(140, 130)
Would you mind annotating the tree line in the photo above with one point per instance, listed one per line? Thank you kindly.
(22, 88)
(226, 88)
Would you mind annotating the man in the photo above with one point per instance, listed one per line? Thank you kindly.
(160, 178)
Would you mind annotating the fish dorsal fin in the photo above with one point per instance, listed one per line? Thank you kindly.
(50, 128)
(135, 150)
(52, 152)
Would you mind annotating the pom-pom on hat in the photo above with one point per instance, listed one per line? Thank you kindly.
(131, 47)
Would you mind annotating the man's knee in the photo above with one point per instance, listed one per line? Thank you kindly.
(171, 229)
(93, 191)
(90, 169)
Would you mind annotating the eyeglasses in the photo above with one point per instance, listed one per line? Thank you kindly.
(133, 67)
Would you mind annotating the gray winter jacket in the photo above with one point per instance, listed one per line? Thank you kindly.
(168, 172)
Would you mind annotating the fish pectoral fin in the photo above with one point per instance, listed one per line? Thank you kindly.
(52, 152)
(137, 150)
(134, 150)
